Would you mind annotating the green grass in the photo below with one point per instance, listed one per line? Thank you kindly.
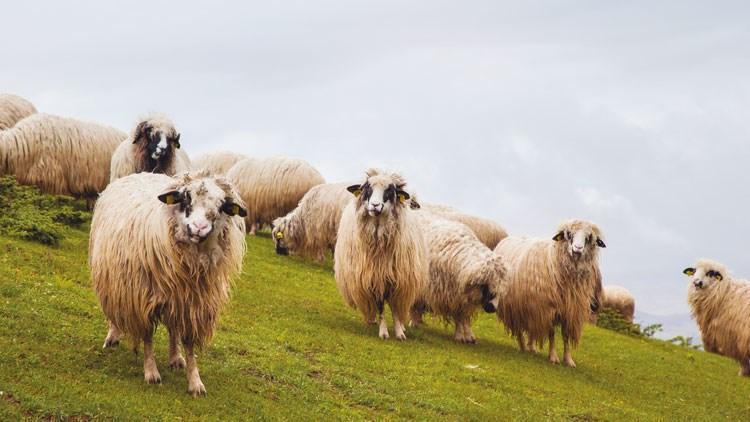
(288, 348)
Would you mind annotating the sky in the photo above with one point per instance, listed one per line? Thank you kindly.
(634, 115)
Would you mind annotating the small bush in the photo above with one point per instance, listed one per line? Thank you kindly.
(30, 215)
(612, 320)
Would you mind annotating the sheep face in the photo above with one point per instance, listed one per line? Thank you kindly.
(705, 275)
(284, 241)
(490, 298)
(201, 207)
(580, 239)
(381, 194)
(157, 141)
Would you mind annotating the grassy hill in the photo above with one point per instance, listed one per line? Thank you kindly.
(288, 348)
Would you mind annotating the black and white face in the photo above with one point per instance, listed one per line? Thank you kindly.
(703, 278)
(379, 195)
(200, 207)
(279, 233)
(490, 299)
(581, 240)
(159, 143)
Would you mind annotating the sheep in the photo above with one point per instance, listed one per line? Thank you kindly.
(618, 299)
(380, 254)
(153, 146)
(61, 156)
(464, 275)
(310, 229)
(163, 250)
(218, 162)
(12, 109)
(550, 283)
(489, 232)
(720, 305)
(272, 187)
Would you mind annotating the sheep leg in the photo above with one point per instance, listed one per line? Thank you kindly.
(531, 346)
(176, 361)
(745, 367)
(552, 353)
(521, 342)
(458, 334)
(113, 336)
(195, 385)
(469, 334)
(567, 354)
(253, 228)
(398, 327)
(150, 371)
(416, 317)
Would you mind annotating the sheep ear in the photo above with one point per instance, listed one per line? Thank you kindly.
(718, 276)
(177, 141)
(600, 243)
(413, 204)
(280, 235)
(559, 236)
(403, 196)
(689, 271)
(140, 131)
(170, 198)
(232, 209)
(356, 190)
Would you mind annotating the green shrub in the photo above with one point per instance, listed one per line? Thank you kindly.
(612, 320)
(30, 215)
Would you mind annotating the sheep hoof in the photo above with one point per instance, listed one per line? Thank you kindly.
(197, 390)
(177, 363)
(110, 342)
(554, 359)
(401, 336)
(569, 362)
(153, 377)
(384, 335)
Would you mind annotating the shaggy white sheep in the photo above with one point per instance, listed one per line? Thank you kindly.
(380, 255)
(464, 275)
(59, 155)
(163, 250)
(618, 299)
(720, 305)
(550, 283)
(217, 162)
(310, 229)
(489, 232)
(272, 187)
(12, 109)
(153, 147)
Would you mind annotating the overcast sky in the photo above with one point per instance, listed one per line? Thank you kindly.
(635, 115)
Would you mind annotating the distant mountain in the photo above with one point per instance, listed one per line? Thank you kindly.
(672, 325)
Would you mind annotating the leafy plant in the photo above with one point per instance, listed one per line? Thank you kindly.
(610, 319)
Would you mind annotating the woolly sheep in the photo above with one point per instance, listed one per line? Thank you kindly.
(618, 299)
(310, 229)
(12, 109)
(380, 255)
(217, 162)
(464, 275)
(61, 156)
(489, 232)
(163, 250)
(272, 187)
(153, 147)
(550, 283)
(720, 305)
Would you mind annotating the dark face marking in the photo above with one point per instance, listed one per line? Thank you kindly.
(280, 250)
(487, 298)
(390, 194)
(186, 205)
(366, 192)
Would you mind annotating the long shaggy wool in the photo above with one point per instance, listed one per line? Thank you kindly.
(460, 265)
(131, 157)
(721, 311)
(217, 162)
(311, 228)
(546, 286)
(380, 259)
(488, 231)
(12, 109)
(272, 187)
(143, 276)
(619, 299)
(61, 156)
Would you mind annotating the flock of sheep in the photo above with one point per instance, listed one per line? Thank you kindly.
(167, 237)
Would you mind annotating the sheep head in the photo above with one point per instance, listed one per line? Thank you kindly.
(381, 194)
(579, 239)
(200, 206)
(283, 235)
(706, 274)
(157, 139)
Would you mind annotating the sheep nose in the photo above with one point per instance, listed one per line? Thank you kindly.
(698, 283)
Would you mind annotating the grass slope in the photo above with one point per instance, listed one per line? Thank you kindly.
(288, 348)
